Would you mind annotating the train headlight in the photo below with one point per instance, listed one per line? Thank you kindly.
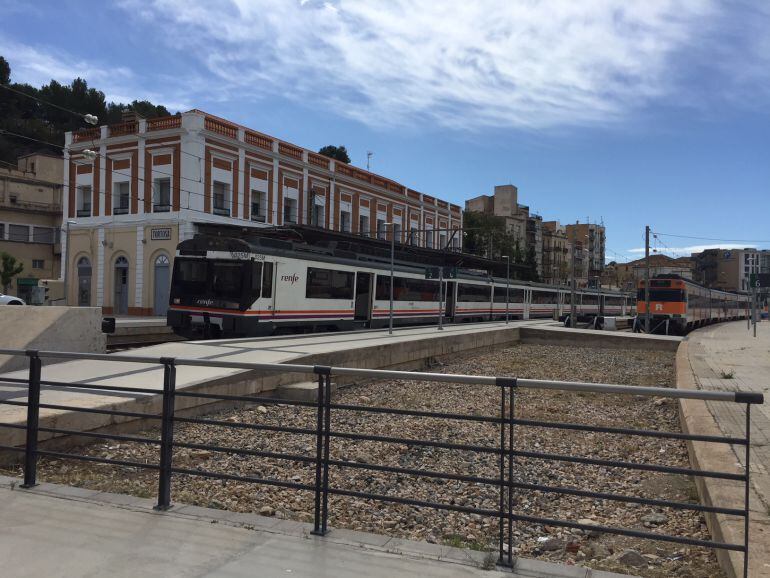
(177, 301)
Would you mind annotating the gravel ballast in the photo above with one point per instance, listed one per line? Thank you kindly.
(603, 551)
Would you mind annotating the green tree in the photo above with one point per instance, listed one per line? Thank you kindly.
(339, 153)
(25, 116)
(9, 268)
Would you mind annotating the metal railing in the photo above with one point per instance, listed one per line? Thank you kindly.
(505, 452)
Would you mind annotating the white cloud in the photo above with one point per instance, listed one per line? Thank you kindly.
(37, 65)
(455, 63)
(687, 250)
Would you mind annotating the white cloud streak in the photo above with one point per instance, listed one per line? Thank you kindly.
(681, 251)
(469, 65)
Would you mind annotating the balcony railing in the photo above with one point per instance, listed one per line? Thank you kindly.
(219, 127)
(85, 212)
(164, 123)
(124, 128)
(318, 160)
(258, 140)
(161, 208)
(87, 134)
(290, 150)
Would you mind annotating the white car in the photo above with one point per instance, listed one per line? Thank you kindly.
(10, 300)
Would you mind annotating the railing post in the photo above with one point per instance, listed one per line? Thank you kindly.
(327, 438)
(506, 384)
(166, 434)
(746, 494)
(33, 420)
(321, 454)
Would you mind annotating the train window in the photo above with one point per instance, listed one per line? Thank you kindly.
(477, 293)
(589, 299)
(267, 280)
(613, 301)
(664, 295)
(256, 279)
(190, 276)
(226, 279)
(543, 297)
(405, 289)
(514, 295)
(329, 284)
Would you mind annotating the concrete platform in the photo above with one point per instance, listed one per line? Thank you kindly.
(55, 530)
(407, 348)
(134, 331)
(726, 356)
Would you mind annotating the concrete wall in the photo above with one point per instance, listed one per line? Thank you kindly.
(77, 329)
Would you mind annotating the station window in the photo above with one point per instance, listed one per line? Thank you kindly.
(382, 234)
(2, 231)
(397, 231)
(120, 192)
(221, 198)
(363, 225)
(289, 210)
(161, 197)
(318, 216)
(83, 201)
(345, 221)
(329, 284)
(258, 206)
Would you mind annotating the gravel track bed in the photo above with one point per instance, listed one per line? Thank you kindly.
(603, 551)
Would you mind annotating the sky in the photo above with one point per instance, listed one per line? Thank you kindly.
(628, 113)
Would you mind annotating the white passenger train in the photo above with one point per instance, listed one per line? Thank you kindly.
(229, 287)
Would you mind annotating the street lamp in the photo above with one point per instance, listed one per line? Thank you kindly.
(91, 119)
(67, 260)
(507, 283)
(89, 154)
(392, 253)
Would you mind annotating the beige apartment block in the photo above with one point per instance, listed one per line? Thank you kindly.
(30, 219)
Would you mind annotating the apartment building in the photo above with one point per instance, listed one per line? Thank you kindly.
(556, 253)
(30, 219)
(590, 240)
(154, 182)
(526, 228)
(730, 269)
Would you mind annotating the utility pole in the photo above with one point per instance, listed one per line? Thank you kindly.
(647, 279)
(441, 298)
(572, 308)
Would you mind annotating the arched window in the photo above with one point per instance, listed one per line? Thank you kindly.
(84, 282)
(120, 303)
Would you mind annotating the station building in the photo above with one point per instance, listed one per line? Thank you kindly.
(155, 182)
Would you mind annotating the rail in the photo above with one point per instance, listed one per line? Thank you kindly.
(323, 486)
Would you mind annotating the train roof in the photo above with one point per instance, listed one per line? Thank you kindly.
(269, 245)
(671, 276)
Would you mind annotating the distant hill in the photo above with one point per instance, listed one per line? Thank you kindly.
(26, 116)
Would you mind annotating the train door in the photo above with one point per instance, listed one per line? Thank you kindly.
(363, 296)
(527, 303)
(449, 304)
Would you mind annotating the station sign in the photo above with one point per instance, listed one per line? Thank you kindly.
(160, 234)
(435, 272)
(759, 280)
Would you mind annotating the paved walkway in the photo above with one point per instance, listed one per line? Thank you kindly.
(61, 531)
(727, 356)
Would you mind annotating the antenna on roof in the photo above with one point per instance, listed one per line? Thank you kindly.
(369, 155)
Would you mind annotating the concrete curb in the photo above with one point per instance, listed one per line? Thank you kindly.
(696, 419)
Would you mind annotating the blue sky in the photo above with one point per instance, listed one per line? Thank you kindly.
(632, 112)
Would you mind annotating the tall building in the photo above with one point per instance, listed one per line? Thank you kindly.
(556, 251)
(30, 219)
(154, 182)
(590, 240)
(730, 269)
(526, 228)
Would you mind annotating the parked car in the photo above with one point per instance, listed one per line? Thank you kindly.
(10, 300)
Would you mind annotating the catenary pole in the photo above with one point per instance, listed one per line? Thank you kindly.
(647, 279)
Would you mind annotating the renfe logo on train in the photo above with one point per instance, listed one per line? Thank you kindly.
(290, 278)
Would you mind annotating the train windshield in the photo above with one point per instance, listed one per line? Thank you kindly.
(664, 295)
(221, 283)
